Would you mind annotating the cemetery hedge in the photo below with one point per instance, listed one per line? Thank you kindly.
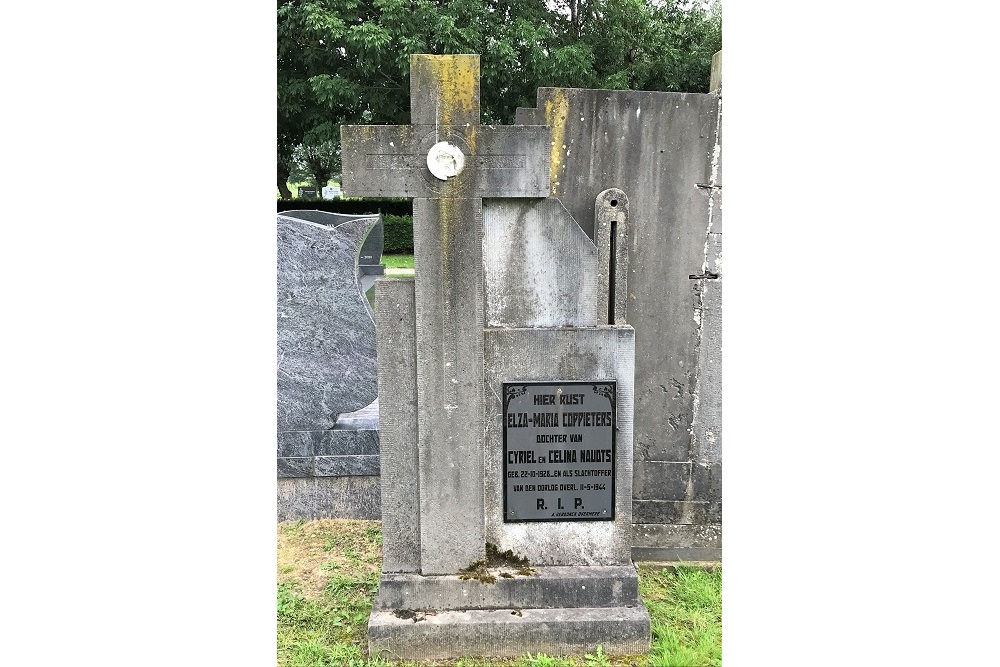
(398, 235)
(396, 207)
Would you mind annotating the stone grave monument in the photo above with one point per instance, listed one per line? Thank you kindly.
(507, 377)
(327, 454)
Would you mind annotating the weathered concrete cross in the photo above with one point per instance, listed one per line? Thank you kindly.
(447, 162)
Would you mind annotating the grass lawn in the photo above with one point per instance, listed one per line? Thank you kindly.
(328, 574)
(398, 265)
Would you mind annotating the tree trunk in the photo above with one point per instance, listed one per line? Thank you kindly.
(283, 181)
(321, 178)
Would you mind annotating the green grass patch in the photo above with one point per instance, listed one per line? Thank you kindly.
(398, 261)
(685, 609)
(328, 576)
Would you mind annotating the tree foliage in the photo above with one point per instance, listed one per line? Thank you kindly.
(347, 61)
(320, 160)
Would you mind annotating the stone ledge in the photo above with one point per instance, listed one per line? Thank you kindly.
(550, 587)
(357, 465)
(507, 633)
(310, 498)
(678, 555)
(331, 442)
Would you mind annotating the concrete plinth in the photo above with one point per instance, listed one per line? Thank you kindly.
(506, 633)
(556, 610)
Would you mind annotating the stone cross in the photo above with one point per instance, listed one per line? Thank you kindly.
(447, 162)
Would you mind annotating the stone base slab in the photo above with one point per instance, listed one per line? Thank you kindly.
(507, 633)
(549, 587)
(312, 498)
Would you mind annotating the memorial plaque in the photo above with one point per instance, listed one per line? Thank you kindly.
(559, 451)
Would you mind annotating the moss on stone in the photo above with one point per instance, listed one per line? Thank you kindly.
(479, 570)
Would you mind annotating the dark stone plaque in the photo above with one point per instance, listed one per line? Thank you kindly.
(559, 451)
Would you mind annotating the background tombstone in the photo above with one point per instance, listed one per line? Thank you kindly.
(370, 256)
(664, 150)
(452, 348)
(326, 368)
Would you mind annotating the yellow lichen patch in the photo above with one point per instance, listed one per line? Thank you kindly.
(556, 113)
(470, 139)
(458, 79)
(445, 215)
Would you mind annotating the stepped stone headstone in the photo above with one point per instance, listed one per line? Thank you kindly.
(664, 150)
(507, 433)
(326, 368)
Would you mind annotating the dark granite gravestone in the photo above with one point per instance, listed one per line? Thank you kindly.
(326, 368)
(370, 257)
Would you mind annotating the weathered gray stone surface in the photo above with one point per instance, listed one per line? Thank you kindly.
(324, 497)
(657, 148)
(510, 632)
(663, 480)
(707, 423)
(611, 234)
(499, 160)
(326, 335)
(448, 250)
(397, 376)
(561, 354)
(541, 269)
(677, 511)
(664, 151)
(549, 587)
(676, 542)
